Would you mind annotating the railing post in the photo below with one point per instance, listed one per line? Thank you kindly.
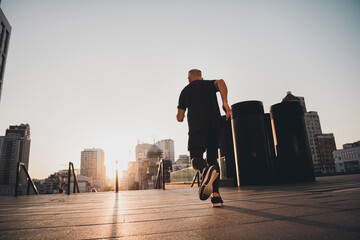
(28, 187)
(69, 175)
(117, 178)
(17, 179)
(163, 174)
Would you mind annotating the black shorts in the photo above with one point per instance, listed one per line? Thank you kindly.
(204, 138)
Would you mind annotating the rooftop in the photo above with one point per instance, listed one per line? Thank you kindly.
(326, 209)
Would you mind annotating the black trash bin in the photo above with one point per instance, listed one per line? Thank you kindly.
(251, 145)
(293, 157)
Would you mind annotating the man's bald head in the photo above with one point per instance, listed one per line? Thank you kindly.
(194, 74)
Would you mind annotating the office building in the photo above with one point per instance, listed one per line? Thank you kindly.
(347, 160)
(5, 32)
(92, 165)
(313, 129)
(15, 147)
(168, 149)
(326, 145)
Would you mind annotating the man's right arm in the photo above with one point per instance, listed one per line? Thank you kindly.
(221, 86)
(180, 115)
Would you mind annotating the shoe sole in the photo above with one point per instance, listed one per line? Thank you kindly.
(206, 188)
(217, 205)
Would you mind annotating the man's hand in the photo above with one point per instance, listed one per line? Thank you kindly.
(227, 110)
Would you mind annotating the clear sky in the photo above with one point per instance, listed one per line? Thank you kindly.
(108, 73)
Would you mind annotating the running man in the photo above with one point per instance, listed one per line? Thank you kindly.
(203, 116)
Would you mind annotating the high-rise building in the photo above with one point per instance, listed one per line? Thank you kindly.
(15, 147)
(313, 129)
(5, 32)
(326, 146)
(93, 165)
(168, 149)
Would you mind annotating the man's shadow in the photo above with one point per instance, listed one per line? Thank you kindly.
(296, 220)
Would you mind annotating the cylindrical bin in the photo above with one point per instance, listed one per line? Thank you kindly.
(251, 147)
(227, 147)
(293, 161)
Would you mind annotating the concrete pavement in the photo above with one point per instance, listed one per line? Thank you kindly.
(326, 209)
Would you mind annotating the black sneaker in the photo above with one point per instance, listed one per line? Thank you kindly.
(206, 188)
(217, 201)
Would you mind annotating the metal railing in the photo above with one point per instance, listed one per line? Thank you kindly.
(117, 178)
(30, 181)
(160, 178)
(71, 165)
(196, 177)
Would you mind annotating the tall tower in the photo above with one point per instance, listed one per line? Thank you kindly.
(93, 165)
(5, 32)
(15, 147)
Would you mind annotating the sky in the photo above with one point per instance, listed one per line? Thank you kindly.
(107, 74)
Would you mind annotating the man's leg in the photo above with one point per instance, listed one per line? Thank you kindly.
(197, 160)
(211, 156)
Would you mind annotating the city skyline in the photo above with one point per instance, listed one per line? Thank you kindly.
(107, 75)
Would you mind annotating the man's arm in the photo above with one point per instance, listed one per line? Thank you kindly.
(221, 86)
(180, 115)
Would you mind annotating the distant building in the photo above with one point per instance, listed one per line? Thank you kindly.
(313, 128)
(15, 147)
(148, 157)
(92, 165)
(5, 32)
(141, 150)
(326, 145)
(84, 183)
(128, 178)
(182, 162)
(348, 158)
(168, 149)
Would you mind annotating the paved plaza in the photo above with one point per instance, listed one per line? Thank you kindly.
(326, 209)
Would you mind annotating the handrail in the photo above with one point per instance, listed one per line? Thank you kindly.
(160, 175)
(30, 181)
(196, 176)
(117, 178)
(71, 165)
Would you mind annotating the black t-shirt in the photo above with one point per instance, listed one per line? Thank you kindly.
(199, 97)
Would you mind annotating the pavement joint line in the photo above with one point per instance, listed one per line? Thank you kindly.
(68, 233)
(100, 224)
(125, 215)
(226, 207)
(152, 207)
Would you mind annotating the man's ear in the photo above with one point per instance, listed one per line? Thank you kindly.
(189, 79)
